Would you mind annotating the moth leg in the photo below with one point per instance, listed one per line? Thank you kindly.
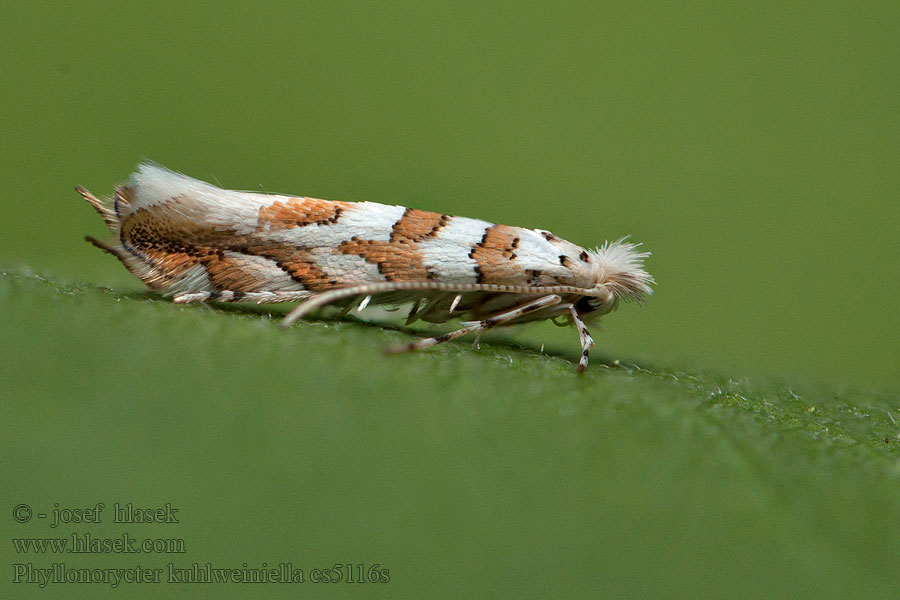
(346, 310)
(358, 304)
(478, 326)
(586, 340)
(413, 316)
(476, 343)
(314, 300)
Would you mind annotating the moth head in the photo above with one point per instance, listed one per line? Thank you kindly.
(617, 270)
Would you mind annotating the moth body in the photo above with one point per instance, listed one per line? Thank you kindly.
(193, 241)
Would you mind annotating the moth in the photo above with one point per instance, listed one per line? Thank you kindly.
(195, 242)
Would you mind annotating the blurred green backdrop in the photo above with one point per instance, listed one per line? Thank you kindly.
(753, 148)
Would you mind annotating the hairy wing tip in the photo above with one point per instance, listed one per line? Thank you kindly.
(624, 268)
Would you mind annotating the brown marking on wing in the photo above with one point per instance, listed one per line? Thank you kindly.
(535, 277)
(172, 245)
(416, 225)
(169, 228)
(399, 259)
(229, 273)
(298, 263)
(162, 243)
(496, 255)
(549, 236)
(298, 212)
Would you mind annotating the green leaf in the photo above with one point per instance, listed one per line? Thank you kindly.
(496, 470)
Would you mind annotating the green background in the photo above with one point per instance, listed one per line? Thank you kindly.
(745, 443)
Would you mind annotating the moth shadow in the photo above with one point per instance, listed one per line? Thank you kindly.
(494, 339)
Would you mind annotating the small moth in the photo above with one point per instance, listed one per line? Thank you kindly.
(195, 242)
